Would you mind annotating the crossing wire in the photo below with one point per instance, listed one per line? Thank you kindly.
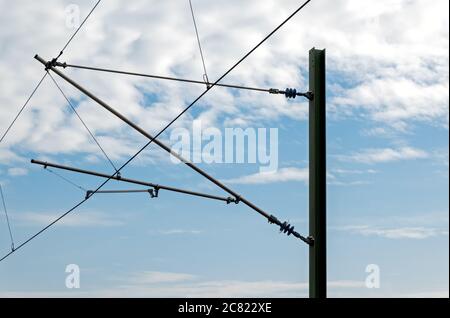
(7, 218)
(157, 135)
(23, 107)
(45, 74)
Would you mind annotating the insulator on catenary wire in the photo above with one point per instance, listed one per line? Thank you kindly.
(290, 93)
(286, 228)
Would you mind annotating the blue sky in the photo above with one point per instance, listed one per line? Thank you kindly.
(387, 160)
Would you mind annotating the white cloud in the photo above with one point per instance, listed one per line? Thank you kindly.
(395, 232)
(395, 100)
(379, 53)
(382, 155)
(169, 284)
(8, 156)
(280, 175)
(348, 183)
(398, 226)
(293, 174)
(183, 285)
(17, 171)
(229, 289)
(353, 171)
(76, 219)
(152, 277)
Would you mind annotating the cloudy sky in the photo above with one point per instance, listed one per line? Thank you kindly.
(387, 160)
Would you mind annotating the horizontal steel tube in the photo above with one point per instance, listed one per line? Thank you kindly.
(148, 184)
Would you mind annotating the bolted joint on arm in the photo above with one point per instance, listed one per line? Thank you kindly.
(49, 64)
(154, 192)
(236, 200)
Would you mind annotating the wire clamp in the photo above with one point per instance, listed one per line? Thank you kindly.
(63, 65)
(231, 200)
(154, 192)
(274, 91)
(273, 220)
(51, 64)
(206, 80)
(88, 194)
(54, 62)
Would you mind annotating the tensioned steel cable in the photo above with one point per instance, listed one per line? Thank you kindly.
(78, 29)
(23, 107)
(26, 103)
(7, 218)
(157, 135)
(287, 93)
(205, 75)
(66, 179)
(82, 121)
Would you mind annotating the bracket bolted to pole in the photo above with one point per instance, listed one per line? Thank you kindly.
(317, 176)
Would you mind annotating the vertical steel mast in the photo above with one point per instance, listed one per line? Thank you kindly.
(317, 176)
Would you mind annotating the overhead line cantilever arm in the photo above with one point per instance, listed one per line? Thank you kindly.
(127, 180)
(284, 226)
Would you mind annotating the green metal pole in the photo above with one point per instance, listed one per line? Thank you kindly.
(317, 176)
